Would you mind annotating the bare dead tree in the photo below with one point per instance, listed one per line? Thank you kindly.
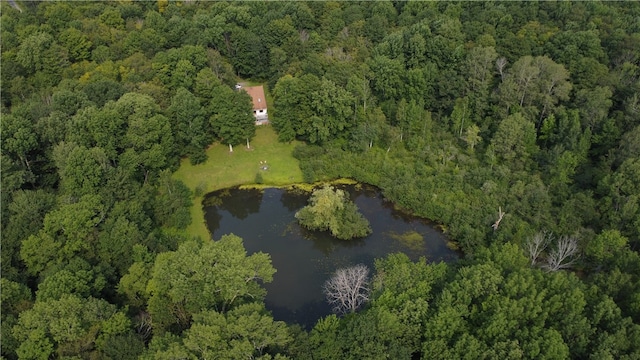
(536, 244)
(563, 256)
(144, 325)
(500, 216)
(500, 64)
(304, 35)
(348, 289)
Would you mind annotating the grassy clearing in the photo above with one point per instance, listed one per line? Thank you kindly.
(224, 169)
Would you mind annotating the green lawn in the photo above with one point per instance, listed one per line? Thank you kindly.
(224, 169)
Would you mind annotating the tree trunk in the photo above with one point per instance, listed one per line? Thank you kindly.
(500, 216)
(230, 148)
(464, 114)
(562, 256)
(347, 290)
(26, 162)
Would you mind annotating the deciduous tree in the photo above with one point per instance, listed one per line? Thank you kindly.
(68, 231)
(247, 331)
(149, 144)
(26, 213)
(199, 276)
(18, 138)
(232, 121)
(330, 209)
(82, 171)
(31, 52)
(348, 289)
(535, 85)
(77, 44)
(472, 136)
(536, 244)
(515, 140)
(331, 107)
(68, 326)
(188, 124)
(563, 255)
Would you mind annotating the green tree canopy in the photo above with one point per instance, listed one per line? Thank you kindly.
(330, 209)
(191, 131)
(199, 276)
(69, 326)
(232, 121)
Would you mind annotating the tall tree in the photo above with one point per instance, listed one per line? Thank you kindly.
(480, 69)
(387, 78)
(232, 121)
(172, 201)
(460, 116)
(331, 106)
(31, 53)
(515, 141)
(68, 231)
(360, 88)
(69, 326)
(150, 145)
(245, 332)
(78, 279)
(188, 125)
(19, 139)
(15, 298)
(535, 85)
(199, 276)
(472, 136)
(621, 203)
(348, 289)
(82, 171)
(292, 96)
(330, 209)
(371, 129)
(26, 213)
(77, 44)
(593, 105)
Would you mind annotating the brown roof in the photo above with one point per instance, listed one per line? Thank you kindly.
(257, 94)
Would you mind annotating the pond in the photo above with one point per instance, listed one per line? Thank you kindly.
(304, 259)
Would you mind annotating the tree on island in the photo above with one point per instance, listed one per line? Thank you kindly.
(330, 209)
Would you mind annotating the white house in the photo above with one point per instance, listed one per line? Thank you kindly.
(259, 103)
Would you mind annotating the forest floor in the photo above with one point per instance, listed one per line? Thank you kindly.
(224, 169)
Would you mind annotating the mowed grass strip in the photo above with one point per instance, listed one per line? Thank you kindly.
(224, 169)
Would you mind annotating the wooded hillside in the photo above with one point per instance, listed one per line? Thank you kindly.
(514, 125)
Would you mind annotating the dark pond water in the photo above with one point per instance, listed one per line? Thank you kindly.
(304, 259)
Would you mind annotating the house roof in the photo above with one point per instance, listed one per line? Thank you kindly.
(257, 95)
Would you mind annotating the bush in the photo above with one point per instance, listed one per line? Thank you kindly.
(197, 156)
(259, 179)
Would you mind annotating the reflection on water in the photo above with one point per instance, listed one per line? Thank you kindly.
(305, 259)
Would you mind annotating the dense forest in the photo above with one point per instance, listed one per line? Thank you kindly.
(514, 125)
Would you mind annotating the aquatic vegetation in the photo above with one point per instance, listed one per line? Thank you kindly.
(411, 239)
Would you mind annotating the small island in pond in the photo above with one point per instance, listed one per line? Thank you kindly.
(330, 209)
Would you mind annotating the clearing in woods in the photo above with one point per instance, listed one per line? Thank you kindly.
(224, 169)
